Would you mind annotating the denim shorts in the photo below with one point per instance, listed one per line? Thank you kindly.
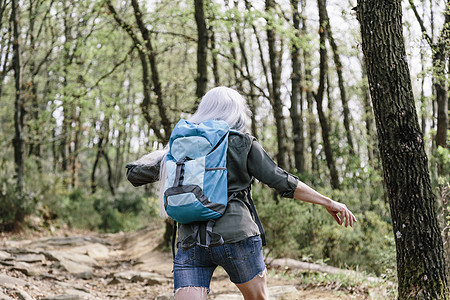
(243, 261)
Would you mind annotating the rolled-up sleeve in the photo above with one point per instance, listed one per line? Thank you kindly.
(263, 168)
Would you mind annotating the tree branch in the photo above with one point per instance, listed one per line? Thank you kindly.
(422, 26)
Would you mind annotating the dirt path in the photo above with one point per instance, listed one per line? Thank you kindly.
(113, 266)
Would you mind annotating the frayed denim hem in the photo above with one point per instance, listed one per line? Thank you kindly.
(260, 275)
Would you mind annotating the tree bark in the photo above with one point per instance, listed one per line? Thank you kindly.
(110, 172)
(35, 146)
(312, 126)
(151, 55)
(338, 64)
(420, 260)
(277, 104)
(368, 116)
(214, 56)
(94, 166)
(440, 65)
(202, 45)
(18, 141)
(319, 99)
(252, 103)
(296, 95)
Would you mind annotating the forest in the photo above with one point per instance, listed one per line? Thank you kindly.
(349, 96)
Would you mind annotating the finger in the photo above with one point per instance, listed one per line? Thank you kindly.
(351, 220)
(346, 219)
(336, 217)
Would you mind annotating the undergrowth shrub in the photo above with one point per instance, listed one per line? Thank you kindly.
(305, 231)
(14, 206)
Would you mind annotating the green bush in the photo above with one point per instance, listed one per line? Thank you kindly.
(14, 205)
(123, 212)
(305, 231)
(101, 211)
(57, 204)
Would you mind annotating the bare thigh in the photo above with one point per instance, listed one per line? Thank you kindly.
(255, 289)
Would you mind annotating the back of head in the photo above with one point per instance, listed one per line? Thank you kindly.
(222, 103)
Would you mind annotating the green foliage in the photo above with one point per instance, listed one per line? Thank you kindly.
(75, 208)
(306, 231)
(440, 166)
(124, 212)
(14, 206)
(56, 204)
(100, 211)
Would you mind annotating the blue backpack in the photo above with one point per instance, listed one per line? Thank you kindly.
(196, 175)
(196, 186)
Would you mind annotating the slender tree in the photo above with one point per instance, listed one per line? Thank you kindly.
(296, 94)
(246, 61)
(420, 260)
(440, 69)
(202, 46)
(151, 55)
(329, 156)
(338, 65)
(275, 72)
(141, 47)
(368, 115)
(18, 141)
(311, 119)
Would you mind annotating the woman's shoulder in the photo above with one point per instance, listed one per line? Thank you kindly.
(240, 139)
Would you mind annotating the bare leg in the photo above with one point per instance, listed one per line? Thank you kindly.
(255, 289)
(191, 293)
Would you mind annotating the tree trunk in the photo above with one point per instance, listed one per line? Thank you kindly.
(165, 122)
(94, 166)
(338, 64)
(312, 128)
(18, 141)
(35, 145)
(145, 105)
(202, 45)
(368, 115)
(67, 104)
(110, 172)
(236, 68)
(76, 147)
(296, 96)
(214, 56)
(277, 105)
(319, 99)
(440, 65)
(420, 260)
(252, 103)
(440, 56)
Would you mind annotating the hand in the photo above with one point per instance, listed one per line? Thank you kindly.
(335, 208)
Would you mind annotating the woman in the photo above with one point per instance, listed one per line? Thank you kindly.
(241, 254)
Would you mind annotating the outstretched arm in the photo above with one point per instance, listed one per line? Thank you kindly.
(339, 211)
(146, 169)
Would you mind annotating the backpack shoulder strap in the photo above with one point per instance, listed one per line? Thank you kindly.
(255, 215)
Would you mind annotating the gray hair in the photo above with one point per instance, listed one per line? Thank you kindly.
(223, 103)
(219, 103)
